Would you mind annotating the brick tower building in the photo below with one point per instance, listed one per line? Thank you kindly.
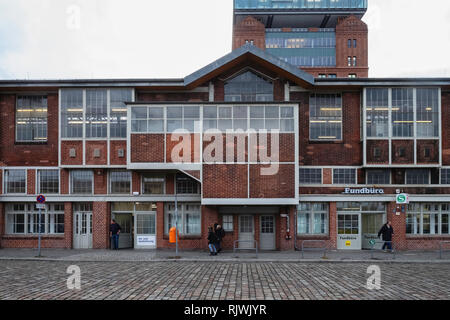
(326, 38)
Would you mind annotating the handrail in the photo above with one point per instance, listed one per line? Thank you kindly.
(440, 248)
(324, 248)
(239, 241)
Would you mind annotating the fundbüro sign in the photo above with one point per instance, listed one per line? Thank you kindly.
(363, 191)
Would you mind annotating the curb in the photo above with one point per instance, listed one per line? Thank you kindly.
(246, 260)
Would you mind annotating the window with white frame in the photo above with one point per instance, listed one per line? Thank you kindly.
(312, 218)
(120, 182)
(310, 176)
(378, 176)
(377, 112)
(445, 176)
(182, 118)
(31, 119)
(344, 176)
(418, 176)
(248, 87)
(187, 185)
(118, 112)
(24, 219)
(15, 181)
(427, 112)
(82, 181)
(153, 184)
(428, 219)
(325, 117)
(88, 108)
(189, 218)
(96, 113)
(403, 112)
(72, 118)
(48, 181)
(227, 223)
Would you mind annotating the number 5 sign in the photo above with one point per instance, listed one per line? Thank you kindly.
(402, 198)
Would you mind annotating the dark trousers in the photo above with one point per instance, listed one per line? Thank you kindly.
(218, 247)
(387, 244)
(115, 241)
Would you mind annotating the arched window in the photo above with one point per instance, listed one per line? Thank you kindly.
(248, 87)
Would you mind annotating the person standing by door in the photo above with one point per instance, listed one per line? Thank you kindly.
(114, 231)
(387, 231)
(220, 234)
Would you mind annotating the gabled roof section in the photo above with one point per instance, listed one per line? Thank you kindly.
(250, 53)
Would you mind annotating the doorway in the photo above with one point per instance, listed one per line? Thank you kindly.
(246, 232)
(82, 226)
(349, 231)
(267, 233)
(125, 221)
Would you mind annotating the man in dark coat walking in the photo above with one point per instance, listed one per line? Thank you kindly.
(212, 240)
(387, 231)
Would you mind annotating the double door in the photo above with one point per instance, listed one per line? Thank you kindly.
(267, 237)
(356, 231)
(82, 233)
(125, 221)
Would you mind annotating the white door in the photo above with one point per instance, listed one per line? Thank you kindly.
(246, 232)
(82, 233)
(145, 230)
(125, 221)
(371, 224)
(349, 231)
(267, 233)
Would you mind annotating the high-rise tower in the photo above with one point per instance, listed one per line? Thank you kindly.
(326, 38)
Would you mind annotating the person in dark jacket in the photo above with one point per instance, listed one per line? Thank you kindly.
(220, 234)
(114, 231)
(387, 231)
(212, 240)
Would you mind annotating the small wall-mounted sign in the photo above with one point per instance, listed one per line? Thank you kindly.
(402, 198)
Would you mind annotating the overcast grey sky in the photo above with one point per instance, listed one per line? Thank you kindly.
(52, 39)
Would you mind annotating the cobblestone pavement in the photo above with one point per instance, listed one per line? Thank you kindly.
(221, 281)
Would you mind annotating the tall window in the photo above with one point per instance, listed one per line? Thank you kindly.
(15, 181)
(72, 113)
(312, 218)
(82, 182)
(48, 181)
(325, 117)
(153, 184)
(248, 87)
(189, 218)
(349, 61)
(118, 113)
(96, 113)
(402, 112)
(445, 176)
(427, 112)
(31, 119)
(377, 108)
(227, 223)
(120, 182)
(354, 61)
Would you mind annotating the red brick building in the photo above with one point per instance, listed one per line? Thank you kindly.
(250, 141)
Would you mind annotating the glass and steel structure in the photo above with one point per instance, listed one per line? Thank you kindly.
(300, 4)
